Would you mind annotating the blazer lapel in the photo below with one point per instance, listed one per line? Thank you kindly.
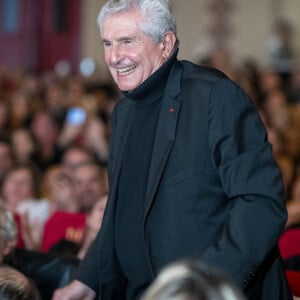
(121, 138)
(165, 133)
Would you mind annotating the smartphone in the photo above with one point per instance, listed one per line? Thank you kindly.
(76, 116)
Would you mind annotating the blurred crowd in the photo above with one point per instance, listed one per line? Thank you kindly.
(276, 96)
(54, 135)
(55, 132)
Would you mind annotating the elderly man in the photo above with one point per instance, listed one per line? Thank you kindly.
(191, 172)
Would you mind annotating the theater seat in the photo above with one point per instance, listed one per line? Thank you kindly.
(293, 278)
(289, 247)
(289, 242)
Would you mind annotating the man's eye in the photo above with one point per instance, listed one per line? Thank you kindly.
(106, 44)
(126, 42)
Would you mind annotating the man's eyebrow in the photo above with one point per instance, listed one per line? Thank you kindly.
(123, 38)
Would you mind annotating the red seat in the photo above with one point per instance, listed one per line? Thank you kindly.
(289, 243)
(293, 278)
(20, 242)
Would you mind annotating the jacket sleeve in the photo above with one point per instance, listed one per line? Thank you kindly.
(250, 179)
(99, 266)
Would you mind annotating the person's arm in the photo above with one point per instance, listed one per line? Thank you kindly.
(293, 208)
(100, 264)
(251, 180)
(76, 290)
(95, 138)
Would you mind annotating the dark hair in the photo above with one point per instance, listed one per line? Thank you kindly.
(34, 173)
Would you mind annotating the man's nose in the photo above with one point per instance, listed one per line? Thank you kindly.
(116, 54)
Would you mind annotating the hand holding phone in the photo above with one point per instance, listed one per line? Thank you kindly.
(76, 116)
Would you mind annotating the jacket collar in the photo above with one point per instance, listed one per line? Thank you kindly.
(166, 131)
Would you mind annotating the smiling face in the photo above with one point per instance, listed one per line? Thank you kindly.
(130, 55)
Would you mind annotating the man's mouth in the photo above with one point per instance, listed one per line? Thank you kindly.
(126, 71)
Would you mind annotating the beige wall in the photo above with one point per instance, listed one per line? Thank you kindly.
(251, 20)
(91, 45)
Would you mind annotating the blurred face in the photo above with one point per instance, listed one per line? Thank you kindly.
(88, 186)
(55, 97)
(22, 144)
(73, 159)
(17, 186)
(5, 159)
(44, 129)
(130, 55)
(2, 247)
(3, 114)
(296, 190)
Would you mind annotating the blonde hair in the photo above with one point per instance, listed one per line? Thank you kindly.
(7, 224)
(16, 286)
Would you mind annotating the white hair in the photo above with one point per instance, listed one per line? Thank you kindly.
(191, 280)
(158, 17)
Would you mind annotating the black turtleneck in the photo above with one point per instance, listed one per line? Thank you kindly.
(132, 185)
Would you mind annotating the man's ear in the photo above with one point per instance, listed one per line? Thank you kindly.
(168, 44)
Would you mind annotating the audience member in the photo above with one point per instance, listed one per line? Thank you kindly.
(4, 118)
(6, 157)
(89, 185)
(20, 183)
(191, 280)
(16, 286)
(280, 49)
(45, 130)
(93, 224)
(20, 110)
(286, 166)
(269, 81)
(293, 205)
(88, 131)
(67, 246)
(295, 85)
(275, 137)
(57, 187)
(63, 225)
(8, 232)
(20, 192)
(56, 101)
(24, 146)
(74, 156)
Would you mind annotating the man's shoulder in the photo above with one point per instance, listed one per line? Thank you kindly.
(199, 72)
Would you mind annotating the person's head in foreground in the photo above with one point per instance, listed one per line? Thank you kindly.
(16, 286)
(8, 231)
(191, 280)
(138, 37)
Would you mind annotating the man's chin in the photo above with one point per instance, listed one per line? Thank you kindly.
(126, 84)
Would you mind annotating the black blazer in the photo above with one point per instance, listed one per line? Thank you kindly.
(214, 190)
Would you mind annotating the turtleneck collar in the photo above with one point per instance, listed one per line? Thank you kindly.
(154, 85)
